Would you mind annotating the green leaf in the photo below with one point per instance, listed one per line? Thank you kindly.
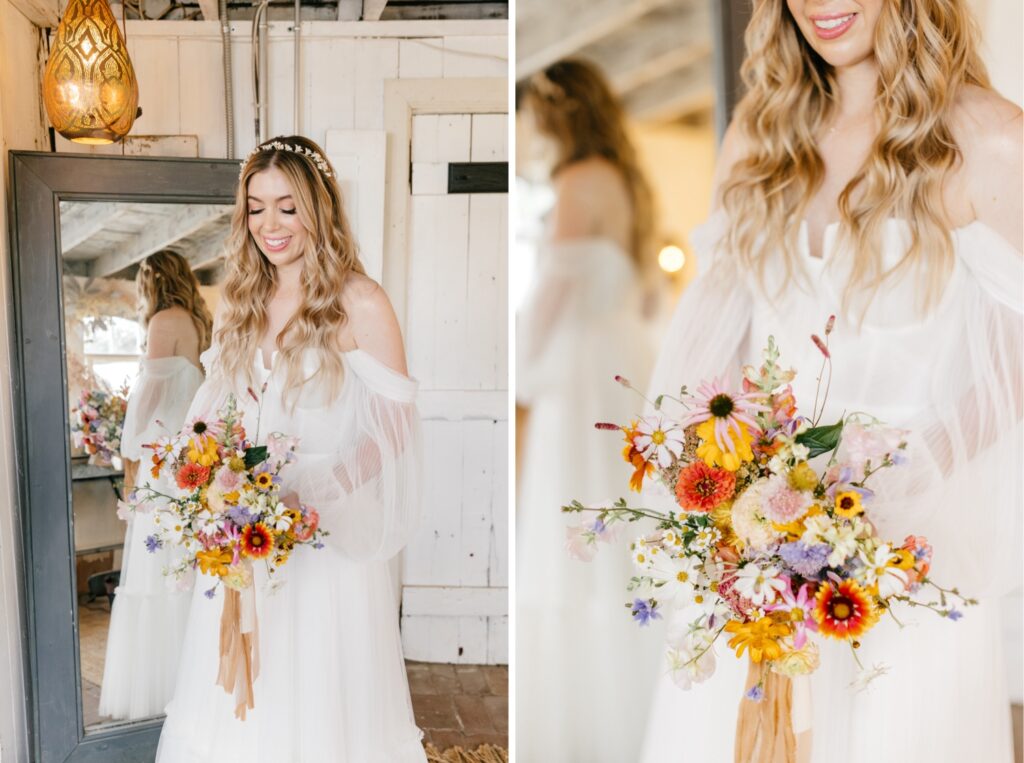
(821, 439)
(255, 455)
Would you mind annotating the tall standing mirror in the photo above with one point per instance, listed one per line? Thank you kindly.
(83, 228)
(104, 245)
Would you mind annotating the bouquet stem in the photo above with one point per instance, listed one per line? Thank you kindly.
(764, 728)
(239, 648)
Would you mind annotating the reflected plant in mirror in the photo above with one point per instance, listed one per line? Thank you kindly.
(139, 287)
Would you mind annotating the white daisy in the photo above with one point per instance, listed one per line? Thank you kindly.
(761, 585)
(877, 569)
(658, 439)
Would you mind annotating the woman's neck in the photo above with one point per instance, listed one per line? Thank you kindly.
(857, 87)
(289, 280)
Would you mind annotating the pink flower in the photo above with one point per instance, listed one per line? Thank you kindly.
(781, 503)
(863, 443)
(800, 608)
(728, 410)
(227, 480)
(305, 527)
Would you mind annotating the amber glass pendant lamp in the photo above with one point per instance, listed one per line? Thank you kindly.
(89, 87)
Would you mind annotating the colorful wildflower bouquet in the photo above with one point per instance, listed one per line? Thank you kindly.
(226, 516)
(762, 549)
(97, 423)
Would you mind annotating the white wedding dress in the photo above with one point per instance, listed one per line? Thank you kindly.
(953, 378)
(584, 670)
(147, 619)
(331, 683)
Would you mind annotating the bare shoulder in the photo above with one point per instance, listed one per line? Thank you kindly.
(990, 133)
(591, 199)
(583, 174)
(372, 325)
(173, 320)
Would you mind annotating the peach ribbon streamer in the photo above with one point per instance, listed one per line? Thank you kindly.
(765, 729)
(239, 648)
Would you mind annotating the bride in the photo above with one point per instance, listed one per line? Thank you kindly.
(147, 620)
(872, 172)
(584, 670)
(317, 340)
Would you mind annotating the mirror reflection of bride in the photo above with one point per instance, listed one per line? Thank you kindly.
(147, 620)
(584, 669)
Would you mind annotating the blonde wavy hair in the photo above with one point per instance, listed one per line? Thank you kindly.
(165, 280)
(574, 105)
(330, 256)
(926, 51)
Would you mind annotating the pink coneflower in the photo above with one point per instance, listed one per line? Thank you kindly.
(728, 411)
(201, 431)
(800, 608)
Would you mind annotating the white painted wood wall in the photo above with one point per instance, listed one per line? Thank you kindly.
(455, 572)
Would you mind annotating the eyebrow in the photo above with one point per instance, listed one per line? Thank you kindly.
(279, 198)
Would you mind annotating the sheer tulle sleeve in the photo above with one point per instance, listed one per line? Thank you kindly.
(963, 478)
(158, 402)
(711, 323)
(576, 283)
(367, 492)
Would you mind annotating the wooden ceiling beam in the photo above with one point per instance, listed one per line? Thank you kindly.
(43, 13)
(164, 232)
(675, 96)
(80, 221)
(560, 30)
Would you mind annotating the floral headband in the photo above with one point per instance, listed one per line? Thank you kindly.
(313, 156)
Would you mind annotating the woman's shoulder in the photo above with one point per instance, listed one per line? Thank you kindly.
(372, 324)
(988, 131)
(593, 176)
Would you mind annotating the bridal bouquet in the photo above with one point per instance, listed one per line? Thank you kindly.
(96, 424)
(226, 515)
(761, 548)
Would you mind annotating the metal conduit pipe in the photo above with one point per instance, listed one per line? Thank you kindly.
(296, 126)
(229, 106)
(264, 66)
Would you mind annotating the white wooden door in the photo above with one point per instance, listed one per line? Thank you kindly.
(455, 596)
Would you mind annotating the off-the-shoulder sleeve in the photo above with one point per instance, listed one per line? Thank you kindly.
(158, 402)
(576, 284)
(368, 491)
(711, 322)
(964, 476)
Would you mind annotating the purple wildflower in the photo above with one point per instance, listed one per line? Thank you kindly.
(153, 543)
(240, 515)
(954, 614)
(806, 561)
(842, 485)
(756, 693)
(210, 593)
(645, 611)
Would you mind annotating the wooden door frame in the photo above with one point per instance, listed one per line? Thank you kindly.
(403, 99)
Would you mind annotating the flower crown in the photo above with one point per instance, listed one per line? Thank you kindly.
(313, 156)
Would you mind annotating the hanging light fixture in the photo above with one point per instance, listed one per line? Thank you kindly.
(89, 87)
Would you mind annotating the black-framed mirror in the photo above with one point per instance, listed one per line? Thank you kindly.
(109, 209)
